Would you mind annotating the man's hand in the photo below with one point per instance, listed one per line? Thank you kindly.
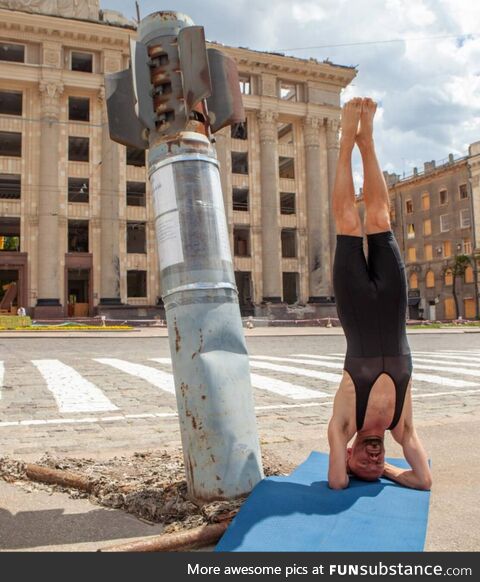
(337, 470)
(405, 477)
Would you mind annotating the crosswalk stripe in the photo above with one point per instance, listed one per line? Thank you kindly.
(440, 360)
(71, 391)
(473, 358)
(417, 376)
(273, 385)
(158, 378)
(2, 375)
(329, 377)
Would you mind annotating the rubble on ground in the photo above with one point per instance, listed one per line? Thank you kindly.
(150, 485)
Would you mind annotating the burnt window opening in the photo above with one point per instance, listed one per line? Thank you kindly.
(14, 53)
(82, 62)
(286, 167)
(245, 85)
(288, 91)
(240, 199)
(290, 287)
(241, 241)
(10, 234)
(239, 131)
(78, 236)
(11, 102)
(136, 193)
(136, 283)
(239, 163)
(285, 133)
(136, 237)
(289, 243)
(10, 186)
(79, 109)
(78, 149)
(287, 202)
(463, 191)
(135, 157)
(10, 144)
(78, 189)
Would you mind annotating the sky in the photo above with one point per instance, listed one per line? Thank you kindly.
(420, 60)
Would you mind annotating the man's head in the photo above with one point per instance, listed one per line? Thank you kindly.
(366, 457)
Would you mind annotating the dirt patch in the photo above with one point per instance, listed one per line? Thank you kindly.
(148, 485)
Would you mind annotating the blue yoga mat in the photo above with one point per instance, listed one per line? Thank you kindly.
(300, 513)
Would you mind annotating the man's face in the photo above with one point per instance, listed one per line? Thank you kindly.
(366, 458)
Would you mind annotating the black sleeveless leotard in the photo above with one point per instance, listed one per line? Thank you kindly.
(371, 299)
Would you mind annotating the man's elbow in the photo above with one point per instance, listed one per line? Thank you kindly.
(338, 484)
(425, 484)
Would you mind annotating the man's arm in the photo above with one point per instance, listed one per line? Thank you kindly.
(419, 476)
(337, 468)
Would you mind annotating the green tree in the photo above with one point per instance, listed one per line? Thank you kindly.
(458, 267)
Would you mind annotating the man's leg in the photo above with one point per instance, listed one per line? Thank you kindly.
(345, 212)
(377, 203)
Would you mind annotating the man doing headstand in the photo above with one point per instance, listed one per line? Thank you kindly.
(371, 296)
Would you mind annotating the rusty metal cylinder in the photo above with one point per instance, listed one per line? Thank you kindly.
(207, 344)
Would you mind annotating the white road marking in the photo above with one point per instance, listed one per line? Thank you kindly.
(71, 391)
(329, 377)
(274, 385)
(284, 388)
(417, 376)
(158, 378)
(2, 375)
(87, 420)
(440, 360)
(471, 358)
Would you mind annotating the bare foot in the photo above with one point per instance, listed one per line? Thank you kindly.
(350, 117)
(365, 132)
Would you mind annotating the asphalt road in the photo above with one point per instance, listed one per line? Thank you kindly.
(103, 396)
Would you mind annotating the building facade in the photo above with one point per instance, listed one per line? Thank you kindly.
(76, 218)
(433, 218)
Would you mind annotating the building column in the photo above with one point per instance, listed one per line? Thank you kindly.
(270, 203)
(49, 276)
(318, 210)
(109, 216)
(332, 129)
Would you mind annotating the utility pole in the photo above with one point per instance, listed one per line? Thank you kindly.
(173, 98)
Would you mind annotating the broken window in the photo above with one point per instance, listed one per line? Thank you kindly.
(10, 234)
(82, 62)
(12, 52)
(241, 241)
(443, 195)
(285, 133)
(287, 91)
(78, 149)
(79, 109)
(289, 243)
(240, 199)
(136, 237)
(136, 283)
(287, 202)
(11, 102)
(409, 206)
(78, 189)
(136, 193)
(78, 236)
(290, 287)
(463, 191)
(10, 144)
(135, 157)
(240, 163)
(239, 131)
(286, 167)
(10, 186)
(245, 85)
